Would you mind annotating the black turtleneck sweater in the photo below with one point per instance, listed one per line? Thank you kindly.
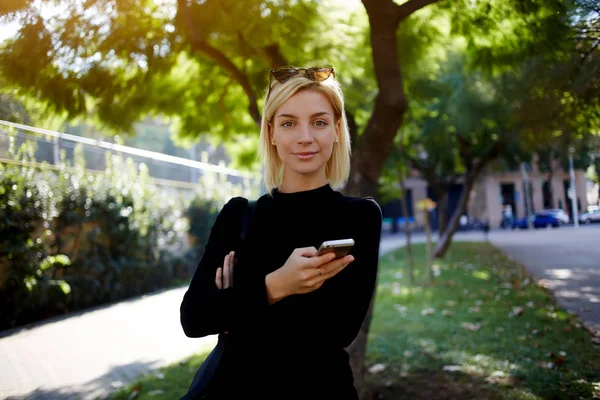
(294, 348)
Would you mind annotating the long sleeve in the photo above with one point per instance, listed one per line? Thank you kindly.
(336, 311)
(206, 310)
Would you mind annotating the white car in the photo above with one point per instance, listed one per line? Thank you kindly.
(589, 217)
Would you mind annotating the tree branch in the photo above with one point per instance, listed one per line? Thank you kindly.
(587, 53)
(273, 55)
(199, 44)
(407, 9)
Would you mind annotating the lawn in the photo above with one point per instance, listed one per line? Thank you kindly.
(483, 330)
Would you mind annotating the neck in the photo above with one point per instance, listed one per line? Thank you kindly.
(291, 183)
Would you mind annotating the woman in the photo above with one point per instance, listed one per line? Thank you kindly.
(289, 314)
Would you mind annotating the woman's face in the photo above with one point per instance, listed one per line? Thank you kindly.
(304, 131)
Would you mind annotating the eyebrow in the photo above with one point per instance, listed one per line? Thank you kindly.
(295, 117)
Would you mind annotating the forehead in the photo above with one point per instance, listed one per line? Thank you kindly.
(306, 102)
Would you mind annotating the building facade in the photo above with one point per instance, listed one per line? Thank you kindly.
(492, 193)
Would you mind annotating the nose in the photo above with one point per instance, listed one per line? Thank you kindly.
(304, 135)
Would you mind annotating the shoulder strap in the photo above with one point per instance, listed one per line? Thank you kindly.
(247, 218)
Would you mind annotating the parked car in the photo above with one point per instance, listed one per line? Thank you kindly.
(543, 219)
(589, 217)
(562, 216)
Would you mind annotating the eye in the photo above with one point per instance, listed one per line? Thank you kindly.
(287, 124)
(321, 123)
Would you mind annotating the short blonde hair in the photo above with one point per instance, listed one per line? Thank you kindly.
(338, 166)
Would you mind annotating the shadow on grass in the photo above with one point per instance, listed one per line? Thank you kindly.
(434, 385)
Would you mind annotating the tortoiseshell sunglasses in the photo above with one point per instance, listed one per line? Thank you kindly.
(283, 74)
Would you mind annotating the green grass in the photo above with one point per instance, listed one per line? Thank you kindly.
(504, 357)
(170, 383)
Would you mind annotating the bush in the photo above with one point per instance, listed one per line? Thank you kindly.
(72, 239)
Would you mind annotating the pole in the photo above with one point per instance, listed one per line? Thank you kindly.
(428, 256)
(573, 192)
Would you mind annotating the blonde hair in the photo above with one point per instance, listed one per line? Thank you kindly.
(338, 165)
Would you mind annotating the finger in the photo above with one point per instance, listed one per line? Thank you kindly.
(321, 260)
(332, 268)
(219, 278)
(226, 271)
(231, 265)
(306, 251)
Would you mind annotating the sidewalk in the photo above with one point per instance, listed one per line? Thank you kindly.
(90, 354)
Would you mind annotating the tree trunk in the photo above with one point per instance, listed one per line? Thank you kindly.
(550, 176)
(442, 207)
(445, 237)
(376, 142)
(390, 104)
(407, 231)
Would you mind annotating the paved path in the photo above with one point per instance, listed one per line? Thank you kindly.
(566, 260)
(88, 355)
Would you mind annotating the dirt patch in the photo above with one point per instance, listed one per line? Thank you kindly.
(435, 385)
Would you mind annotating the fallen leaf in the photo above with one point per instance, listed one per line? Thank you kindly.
(474, 310)
(451, 368)
(156, 392)
(470, 326)
(377, 368)
(516, 311)
(427, 311)
(134, 393)
(408, 354)
(447, 313)
(500, 329)
(116, 384)
(400, 308)
(450, 303)
(530, 304)
(544, 364)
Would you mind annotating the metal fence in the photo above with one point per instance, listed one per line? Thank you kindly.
(170, 173)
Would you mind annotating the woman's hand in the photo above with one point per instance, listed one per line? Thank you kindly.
(224, 278)
(303, 272)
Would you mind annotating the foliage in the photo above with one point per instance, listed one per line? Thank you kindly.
(78, 239)
(25, 260)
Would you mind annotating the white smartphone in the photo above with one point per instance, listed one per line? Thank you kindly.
(340, 247)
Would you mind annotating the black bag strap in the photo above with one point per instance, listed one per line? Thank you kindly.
(247, 218)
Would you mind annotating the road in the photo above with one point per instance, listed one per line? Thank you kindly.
(565, 260)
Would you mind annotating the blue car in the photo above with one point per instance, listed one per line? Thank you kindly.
(543, 219)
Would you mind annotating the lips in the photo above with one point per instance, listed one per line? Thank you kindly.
(305, 155)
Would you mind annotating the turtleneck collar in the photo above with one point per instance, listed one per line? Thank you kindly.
(305, 196)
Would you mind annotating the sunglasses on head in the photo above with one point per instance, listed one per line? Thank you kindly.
(283, 74)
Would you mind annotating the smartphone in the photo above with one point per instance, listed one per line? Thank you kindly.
(339, 247)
